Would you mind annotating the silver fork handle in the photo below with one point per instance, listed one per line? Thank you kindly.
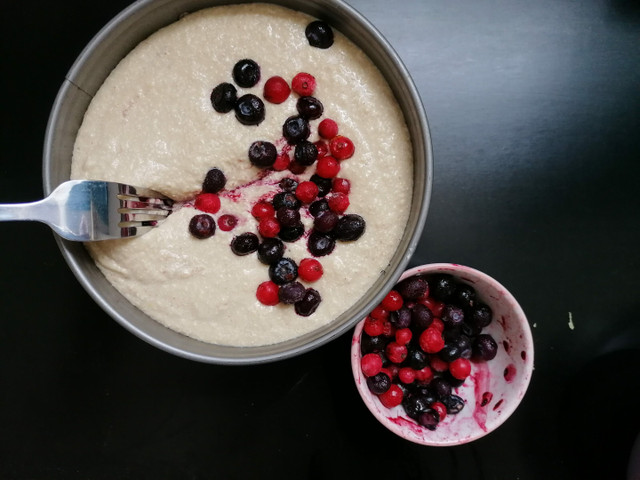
(39, 211)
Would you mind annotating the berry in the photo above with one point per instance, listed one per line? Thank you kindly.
(295, 129)
(373, 326)
(309, 304)
(401, 318)
(286, 200)
(437, 324)
(270, 250)
(424, 374)
(454, 404)
(421, 317)
(283, 271)
(324, 184)
(417, 359)
(412, 288)
(249, 110)
(372, 344)
(481, 316)
(328, 167)
(379, 383)
(338, 202)
(323, 148)
(246, 73)
(380, 313)
(414, 405)
(438, 365)
(224, 97)
(464, 296)
(288, 217)
(318, 207)
(262, 154)
(288, 184)
(328, 129)
(403, 336)
(485, 347)
(305, 153)
(440, 409)
(276, 90)
(392, 301)
(396, 352)
(407, 375)
(214, 181)
(309, 107)
(441, 387)
(227, 222)
(306, 192)
(291, 234)
(282, 162)
(341, 185)
(310, 270)
(291, 292)
(319, 34)
(267, 293)
(444, 288)
(460, 368)
(452, 316)
(202, 226)
(320, 244)
(245, 244)
(263, 210)
(429, 419)
(434, 306)
(304, 84)
(325, 221)
(341, 147)
(449, 352)
(208, 202)
(350, 227)
(431, 340)
(392, 397)
(371, 364)
(297, 168)
(269, 227)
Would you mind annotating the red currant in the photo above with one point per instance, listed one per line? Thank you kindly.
(269, 227)
(323, 148)
(208, 202)
(304, 84)
(437, 324)
(227, 222)
(403, 336)
(338, 202)
(276, 90)
(327, 167)
(424, 375)
(373, 327)
(267, 293)
(263, 210)
(341, 147)
(407, 375)
(341, 185)
(460, 368)
(328, 128)
(438, 364)
(392, 302)
(307, 191)
(392, 397)
(310, 269)
(440, 408)
(389, 330)
(431, 340)
(380, 313)
(433, 305)
(371, 364)
(282, 162)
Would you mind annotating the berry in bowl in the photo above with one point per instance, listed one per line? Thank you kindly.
(445, 358)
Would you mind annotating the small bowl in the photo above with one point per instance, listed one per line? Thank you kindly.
(492, 391)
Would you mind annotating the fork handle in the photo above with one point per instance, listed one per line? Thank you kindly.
(39, 211)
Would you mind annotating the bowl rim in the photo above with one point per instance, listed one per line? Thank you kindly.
(376, 408)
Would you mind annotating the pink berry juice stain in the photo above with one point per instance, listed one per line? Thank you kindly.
(481, 378)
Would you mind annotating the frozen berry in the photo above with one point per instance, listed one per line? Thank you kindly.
(485, 347)
(309, 107)
(282, 162)
(381, 313)
(431, 340)
(310, 270)
(227, 222)
(350, 227)
(452, 316)
(401, 318)
(328, 167)
(396, 352)
(450, 352)
(320, 244)
(412, 288)
(295, 129)
(341, 147)
(464, 296)
(306, 191)
(283, 271)
(297, 168)
(318, 206)
(288, 184)
(249, 110)
(325, 221)
(480, 316)
(262, 154)
(305, 153)
(324, 184)
(269, 227)
(224, 97)
(276, 90)
(338, 202)
(421, 317)
(270, 250)
(319, 34)
(392, 301)
(291, 292)
(373, 326)
(371, 364)
(286, 200)
(403, 336)
(328, 128)
(246, 73)
(454, 404)
(309, 303)
(263, 210)
(378, 384)
(304, 84)
(407, 375)
(438, 364)
(245, 243)
(429, 419)
(341, 185)
(424, 374)
(417, 359)
(441, 387)
(414, 405)
(208, 202)
(442, 288)
(288, 217)
(214, 181)
(441, 409)
(370, 344)
(202, 226)
(392, 397)
(291, 234)
(267, 293)
(460, 368)
(323, 148)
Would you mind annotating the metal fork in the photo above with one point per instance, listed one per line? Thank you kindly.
(87, 210)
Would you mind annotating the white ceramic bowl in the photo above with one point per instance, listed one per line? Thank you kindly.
(493, 390)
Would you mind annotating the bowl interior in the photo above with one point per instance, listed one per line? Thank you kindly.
(493, 390)
(86, 76)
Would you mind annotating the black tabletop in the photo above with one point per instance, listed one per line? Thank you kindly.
(534, 112)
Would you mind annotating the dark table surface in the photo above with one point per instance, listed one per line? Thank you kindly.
(534, 112)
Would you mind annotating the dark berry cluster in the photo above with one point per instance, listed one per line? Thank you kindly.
(204, 225)
(249, 108)
(418, 345)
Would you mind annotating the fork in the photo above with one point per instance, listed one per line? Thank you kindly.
(88, 210)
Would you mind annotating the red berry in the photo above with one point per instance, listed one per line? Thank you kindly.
(393, 369)
(440, 408)
(341, 147)
(433, 305)
(307, 191)
(437, 324)
(297, 168)
(304, 84)
(371, 364)
(226, 223)
(208, 202)
(424, 375)
(380, 313)
(431, 340)
(276, 90)
(267, 293)
(282, 162)
(327, 167)
(341, 185)
(438, 364)
(392, 302)
(460, 368)
(310, 270)
(269, 227)
(388, 329)
(328, 128)
(263, 210)
(338, 202)
(407, 375)
(373, 327)
(323, 148)
(403, 336)
(392, 397)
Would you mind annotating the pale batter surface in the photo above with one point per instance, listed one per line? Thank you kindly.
(152, 124)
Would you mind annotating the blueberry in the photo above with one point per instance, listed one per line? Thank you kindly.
(214, 181)
(480, 316)
(450, 352)
(455, 382)
(286, 200)
(305, 153)
(249, 110)
(429, 419)
(462, 342)
(416, 358)
(295, 129)
(443, 287)
(452, 316)
(224, 97)
(421, 317)
(379, 383)
(270, 251)
(283, 271)
(309, 303)
(288, 184)
(246, 73)
(414, 405)
(412, 288)
(350, 227)
(319, 34)
(325, 221)
(485, 347)
(202, 226)
(288, 217)
(369, 344)
(401, 318)
(291, 234)
(441, 388)
(324, 184)
(262, 154)
(320, 244)
(454, 403)
(318, 206)
(464, 296)
(310, 108)
(245, 243)
(291, 292)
